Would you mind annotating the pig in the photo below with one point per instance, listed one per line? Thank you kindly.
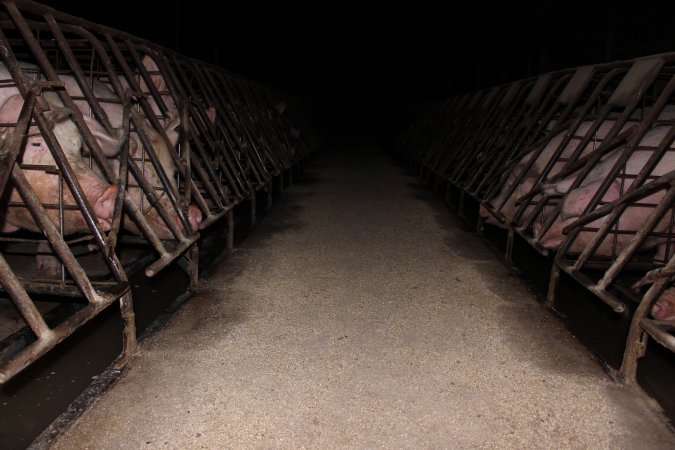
(100, 194)
(115, 112)
(632, 218)
(509, 209)
(664, 307)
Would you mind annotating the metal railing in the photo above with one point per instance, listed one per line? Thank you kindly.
(173, 143)
(578, 162)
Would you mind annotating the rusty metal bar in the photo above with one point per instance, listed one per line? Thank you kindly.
(12, 285)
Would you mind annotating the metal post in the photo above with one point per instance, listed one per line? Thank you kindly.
(552, 286)
(129, 343)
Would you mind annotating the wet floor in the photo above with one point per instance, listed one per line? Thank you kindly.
(361, 314)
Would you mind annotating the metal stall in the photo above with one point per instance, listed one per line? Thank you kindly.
(116, 153)
(578, 164)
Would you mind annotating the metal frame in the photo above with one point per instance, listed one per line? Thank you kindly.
(480, 142)
(219, 163)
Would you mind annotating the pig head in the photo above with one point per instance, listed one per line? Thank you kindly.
(170, 123)
(151, 174)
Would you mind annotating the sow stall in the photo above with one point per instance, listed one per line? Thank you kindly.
(194, 142)
(578, 165)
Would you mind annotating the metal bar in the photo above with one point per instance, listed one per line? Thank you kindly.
(122, 187)
(34, 351)
(12, 285)
(11, 146)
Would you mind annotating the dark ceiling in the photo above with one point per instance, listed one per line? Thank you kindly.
(361, 57)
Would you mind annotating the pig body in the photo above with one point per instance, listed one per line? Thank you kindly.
(538, 164)
(99, 193)
(631, 219)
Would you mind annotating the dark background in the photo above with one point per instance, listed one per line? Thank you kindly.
(362, 59)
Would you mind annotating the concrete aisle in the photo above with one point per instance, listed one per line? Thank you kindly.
(359, 314)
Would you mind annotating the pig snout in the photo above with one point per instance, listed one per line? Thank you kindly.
(104, 205)
(194, 216)
(664, 308)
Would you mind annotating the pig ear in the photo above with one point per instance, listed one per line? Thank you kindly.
(104, 206)
(170, 125)
(211, 114)
(57, 114)
(151, 66)
(110, 144)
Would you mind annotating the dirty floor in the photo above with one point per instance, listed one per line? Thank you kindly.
(360, 314)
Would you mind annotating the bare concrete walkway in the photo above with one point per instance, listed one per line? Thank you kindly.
(360, 315)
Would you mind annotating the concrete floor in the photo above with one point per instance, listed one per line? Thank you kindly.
(359, 314)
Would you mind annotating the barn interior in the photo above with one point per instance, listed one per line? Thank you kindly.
(327, 260)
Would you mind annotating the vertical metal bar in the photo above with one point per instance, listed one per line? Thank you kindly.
(122, 177)
(129, 343)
